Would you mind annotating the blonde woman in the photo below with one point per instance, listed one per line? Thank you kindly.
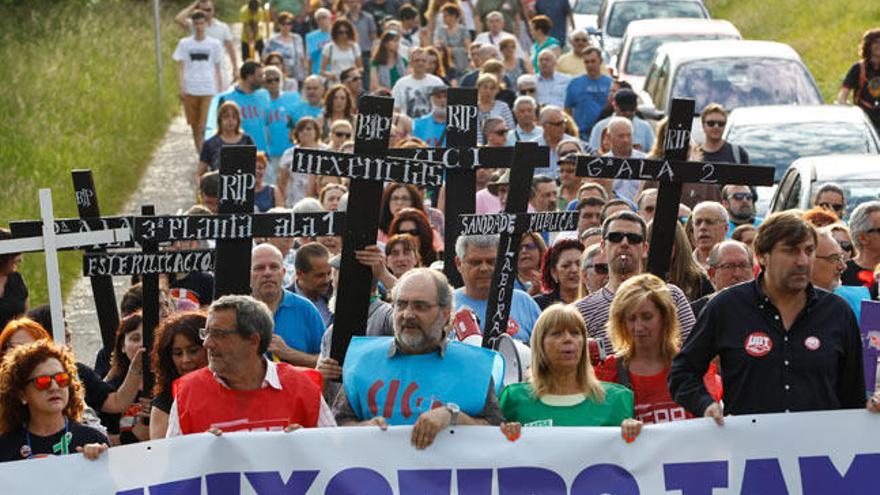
(563, 389)
(646, 335)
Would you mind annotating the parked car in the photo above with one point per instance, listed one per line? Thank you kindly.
(858, 175)
(585, 14)
(779, 135)
(734, 73)
(643, 37)
(615, 15)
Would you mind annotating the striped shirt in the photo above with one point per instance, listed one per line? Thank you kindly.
(595, 308)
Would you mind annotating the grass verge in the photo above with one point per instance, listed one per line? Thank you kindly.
(78, 90)
(826, 34)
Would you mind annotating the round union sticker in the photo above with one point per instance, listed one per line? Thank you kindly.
(812, 343)
(758, 344)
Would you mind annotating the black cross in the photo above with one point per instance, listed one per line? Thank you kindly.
(671, 173)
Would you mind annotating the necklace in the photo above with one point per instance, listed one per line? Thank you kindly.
(60, 448)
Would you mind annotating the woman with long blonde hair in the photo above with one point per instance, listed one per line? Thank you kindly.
(646, 335)
(562, 389)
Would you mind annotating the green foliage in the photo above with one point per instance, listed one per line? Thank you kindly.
(79, 90)
(825, 33)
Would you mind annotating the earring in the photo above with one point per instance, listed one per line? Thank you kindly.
(23, 402)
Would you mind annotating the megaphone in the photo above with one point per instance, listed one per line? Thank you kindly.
(517, 358)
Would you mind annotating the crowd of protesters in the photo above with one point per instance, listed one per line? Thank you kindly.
(758, 315)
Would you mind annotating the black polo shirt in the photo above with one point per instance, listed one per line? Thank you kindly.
(815, 365)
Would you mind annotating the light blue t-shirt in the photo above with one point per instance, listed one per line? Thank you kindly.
(315, 41)
(523, 310)
(587, 97)
(730, 226)
(303, 109)
(643, 134)
(254, 109)
(298, 322)
(280, 112)
(430, 131)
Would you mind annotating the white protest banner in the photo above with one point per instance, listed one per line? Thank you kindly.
(829, 453)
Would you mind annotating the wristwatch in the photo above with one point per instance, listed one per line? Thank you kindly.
(453, 409)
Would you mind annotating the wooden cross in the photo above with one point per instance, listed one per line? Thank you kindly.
(460, 157)
(526, 157)
(368, 168)
(50, 242)
(671, 173)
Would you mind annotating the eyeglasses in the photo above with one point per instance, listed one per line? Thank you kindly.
(742, 196)
(500, 132)
(599, 268)
(734, 266)
(527, 91)
(341, 134)
(832, 206)
(846, 246)
(272, 80)
(834, 259)
(215, 333)
(43, 382)
(416, 306)
(715, 123)
(631, 237)
(707, 221)
(414, 232)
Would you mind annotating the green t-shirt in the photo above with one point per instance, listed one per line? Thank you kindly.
(518, 404)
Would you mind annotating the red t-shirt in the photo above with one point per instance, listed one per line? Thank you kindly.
(653, 402)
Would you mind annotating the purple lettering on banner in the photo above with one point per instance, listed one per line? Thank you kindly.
(191, 486)
(474, 481)
(271, 483)
(600, 479)
(819, 476)
(695, 478)
(763, 477)
(529, 480)
(355, 481)
(222, 484)
(424, 481)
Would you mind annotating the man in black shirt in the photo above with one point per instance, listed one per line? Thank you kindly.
(864, 225)
(715, 149)
(784, 345)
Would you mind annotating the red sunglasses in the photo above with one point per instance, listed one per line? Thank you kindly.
(43, 382)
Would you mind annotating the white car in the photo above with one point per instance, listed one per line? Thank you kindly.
(615, 15)
(585, 14)
(857, 175)
(643, 37)
(780, 135)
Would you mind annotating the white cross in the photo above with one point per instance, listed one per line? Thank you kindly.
(50, 243)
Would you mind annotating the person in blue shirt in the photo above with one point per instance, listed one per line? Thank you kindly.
(587, 94)
(311, 102)
(475, 259)
(315, 40)
(253, 102)
(298, 325)
(431, 128)
(281, 106)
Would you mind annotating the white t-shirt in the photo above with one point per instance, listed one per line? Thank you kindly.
(411, 94)
(200, 58)
(340, 59)
(220, 31)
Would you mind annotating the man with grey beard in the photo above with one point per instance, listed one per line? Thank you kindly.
(431, 128)
(418, 377)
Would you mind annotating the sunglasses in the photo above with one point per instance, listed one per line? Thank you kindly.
(832, 206)
(846, 246)
(500, 132)
(599, 268)
(342, 134)
(527, 91)
(272, 80)
(742, 196)
(43, 382)
(413, 232)
(631, 237)
(716, 123)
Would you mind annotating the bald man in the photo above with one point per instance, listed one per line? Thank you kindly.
(298, 325)
(620, 132)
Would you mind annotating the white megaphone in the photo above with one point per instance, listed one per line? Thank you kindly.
(517, 358)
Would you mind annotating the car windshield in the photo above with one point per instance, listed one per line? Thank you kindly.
(586, 7)
(623, 13)
(745, 82)
(856, 192)
(643, 48)
(781, 144)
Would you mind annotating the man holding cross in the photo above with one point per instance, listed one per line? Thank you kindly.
(298, 325)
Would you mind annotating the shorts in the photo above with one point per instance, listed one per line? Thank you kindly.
(196, 109)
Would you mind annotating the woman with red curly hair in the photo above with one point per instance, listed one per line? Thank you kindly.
(41, 405)
(560, 273)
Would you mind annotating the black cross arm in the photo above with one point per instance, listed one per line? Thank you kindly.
(673, 171)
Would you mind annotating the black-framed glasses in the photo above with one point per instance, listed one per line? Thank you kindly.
(716, 123)
(832, 206)
(742, 196)
(415, 305)
(599, 268)
(215, 333)
(631, 237)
